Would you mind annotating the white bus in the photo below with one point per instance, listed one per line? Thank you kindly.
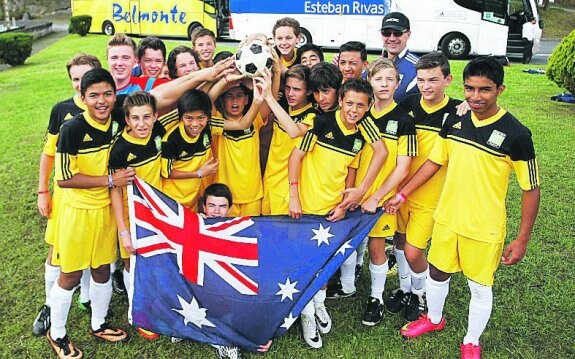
(457, 27)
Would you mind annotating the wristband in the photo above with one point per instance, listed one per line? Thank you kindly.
(43, 192)
(293, 183)
(402, 197)
(123, 233)
(199, 173)
(110, 181)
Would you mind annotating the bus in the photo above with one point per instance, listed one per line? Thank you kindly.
(458, 28)
(168, 18)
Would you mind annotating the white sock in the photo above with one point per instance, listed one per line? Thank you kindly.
(418, 282)
(361, 251)
(436, 294)
(378, 277)
(51, 274)
(127, 281)
(402, 271)
(309, 309)
(60, 302)
(100, 293)
(319, 298)
(348, 274)
(480, 307)
(85, 286)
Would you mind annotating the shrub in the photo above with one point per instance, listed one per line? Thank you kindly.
(561, 66)
(80, 24)
(15, 47)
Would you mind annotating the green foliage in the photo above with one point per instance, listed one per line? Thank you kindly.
(80, 24)
(561, 67)
(15, 47)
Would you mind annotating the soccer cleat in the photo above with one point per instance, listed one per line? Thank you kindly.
(416, 306)
(176, 340)
(358, 272)
(64, 348)
(323, 319)
(470, 351)
(373, 313)
(118, 283)
(336, 292)
(85, 306)
(396, 302)
(109, 334)
(147, 334)
(421, 326)
(42, 322)
(310, 332)
(224, 352)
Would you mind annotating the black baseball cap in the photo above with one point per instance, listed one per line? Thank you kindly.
(395, 21)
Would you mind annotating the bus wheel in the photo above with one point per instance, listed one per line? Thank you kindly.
(305, 37)
(108, 28)
(455, 46)
(192, 27)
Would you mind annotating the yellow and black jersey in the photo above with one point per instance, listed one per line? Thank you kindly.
(397, 130)
(479, 156)
(331, 148)
(169, 120)
(61, 112)
(239, 155)
(296, 59)
(428, 122)
(187, 154)
(84, 147)
(320, 111)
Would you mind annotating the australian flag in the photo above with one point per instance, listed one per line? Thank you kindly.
(229, 281)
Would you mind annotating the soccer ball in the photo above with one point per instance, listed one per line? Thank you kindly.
(253, 57)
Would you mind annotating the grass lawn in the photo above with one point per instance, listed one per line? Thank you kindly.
(533, 305)
(558, 22)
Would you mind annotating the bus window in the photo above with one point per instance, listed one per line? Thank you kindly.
(495, 11)
(475, 5)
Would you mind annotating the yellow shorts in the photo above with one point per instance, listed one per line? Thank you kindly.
(416, 222)
(246, 209)
(385, 226)
(453, 253)
(87, 238)
(50, 234)
(275, 204)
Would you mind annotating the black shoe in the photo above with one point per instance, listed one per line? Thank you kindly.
(118, 283)
(416, 306)
(336, 292)
(396, 302)
(373, 313)
(42, 322)
(358, 272)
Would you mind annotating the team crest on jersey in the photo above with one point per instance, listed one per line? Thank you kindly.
(496, 139)
(206, 140)
(114, 128)
(357, 145)
(247, 131)
(158, 143)
(457, 125)
(391, 127)
(329, 135)
(131, 156)
(87, 138)
(445, 115)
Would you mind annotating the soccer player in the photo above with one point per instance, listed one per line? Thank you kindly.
(181, 61)
(287, 34)
(352, 60)
(428, 108)
(204, 43)
(86, 227)
(331, 146)
(151, 56)
(48, 206)
(121, 55)
(479, 149)
(324, 82)
(311, 54)
(288, 125)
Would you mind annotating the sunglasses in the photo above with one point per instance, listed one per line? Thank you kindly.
(396, 33)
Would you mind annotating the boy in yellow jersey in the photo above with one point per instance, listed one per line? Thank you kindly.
(48, 206)
(287, 34)
(319, 172)
(85, 224)
(397, 131)
(479, 149)
(324, 82)
(288, 126)
(429, 108)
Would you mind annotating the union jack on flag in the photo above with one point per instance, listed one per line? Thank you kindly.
(229, 281)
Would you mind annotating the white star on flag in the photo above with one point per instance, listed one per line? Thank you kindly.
(343, 248)
(288, 321)
(287, 290)
(192, 313)
(322, 235)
